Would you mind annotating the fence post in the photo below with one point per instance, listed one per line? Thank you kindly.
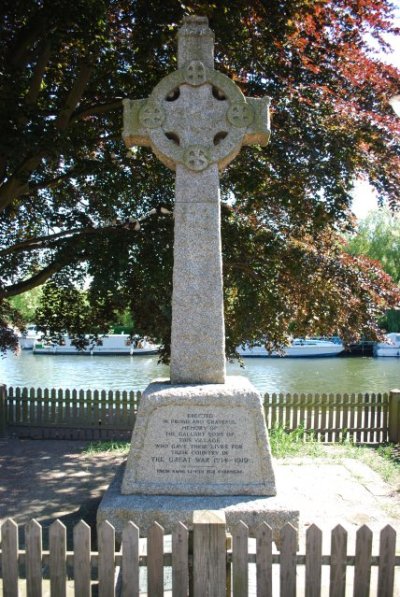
(3, 410)
(394, 416)
(209, 553)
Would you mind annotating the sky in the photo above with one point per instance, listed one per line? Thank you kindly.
(364, 196)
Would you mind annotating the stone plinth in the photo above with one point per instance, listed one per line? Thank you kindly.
(200, 440)
(167, 510)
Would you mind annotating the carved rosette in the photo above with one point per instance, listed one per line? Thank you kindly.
(241, 120)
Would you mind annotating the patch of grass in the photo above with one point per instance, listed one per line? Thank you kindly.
(117, 447)
(382, 459)
(299, 442)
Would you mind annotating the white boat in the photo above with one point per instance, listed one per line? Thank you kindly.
(28, 338)
(113, 344)
(390, 348)
(298, 347)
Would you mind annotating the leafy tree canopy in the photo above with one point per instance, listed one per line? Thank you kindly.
(378, 237)
(74, 206)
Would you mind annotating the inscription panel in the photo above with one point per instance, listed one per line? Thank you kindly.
(200, 439)
(200, 445)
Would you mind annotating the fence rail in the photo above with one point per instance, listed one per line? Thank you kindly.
(94, 414)
(210, 564)
(362, 418)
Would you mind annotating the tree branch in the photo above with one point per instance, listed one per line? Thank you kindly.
(74, 96)
(43, 242)
(17, 184)
(96, 109)
(38, 73)
(27, 37)
(34, 281)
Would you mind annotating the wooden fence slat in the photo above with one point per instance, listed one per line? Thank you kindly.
(373, 401)
(387, 552)
(57, 560)
(155, 560)
(313, 561)
(362, 566)
(385, 419)
(82, 541)
(106, 539)
(324, 406)
(337, 582)
(331, 401)
(33, 542)
(345, 416)
(359, 416)
(18, 403)
(180, 560)
(9, 544)
(287, 411)
(273, 411)
(209, 553)
(365, 415)
(240, 575)
(288, 561)
(295, 402)
(130, 560)
(337, 411)
(309, 414)
(302, 413)
(264, 560)
(379, 437)
(317, 417)
(124, 407)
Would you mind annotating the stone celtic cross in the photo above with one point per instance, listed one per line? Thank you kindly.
(196, 120)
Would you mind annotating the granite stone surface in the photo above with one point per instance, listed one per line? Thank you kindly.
(167, 510)
(197, 334)
(208, 439)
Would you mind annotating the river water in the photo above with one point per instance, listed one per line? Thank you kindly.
(335, 374)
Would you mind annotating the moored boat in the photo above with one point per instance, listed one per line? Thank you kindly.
(298, 347)
(28, 338)
(390, 348)
(112, 344)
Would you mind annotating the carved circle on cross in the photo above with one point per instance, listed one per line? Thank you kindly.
(196, 158)
(151, 115)
(240, 114)
(195, 73)
(228, 137)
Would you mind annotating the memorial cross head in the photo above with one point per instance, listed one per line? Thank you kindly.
(196, 116)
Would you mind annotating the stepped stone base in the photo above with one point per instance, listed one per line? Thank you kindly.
(197, 447)
(167, 510)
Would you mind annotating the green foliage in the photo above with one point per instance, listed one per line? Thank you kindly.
(27, 303)
(117, 447)
(74, 206)
(378, 237)
(299, 442)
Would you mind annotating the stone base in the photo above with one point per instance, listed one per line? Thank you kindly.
(167, 510)
(200, 439)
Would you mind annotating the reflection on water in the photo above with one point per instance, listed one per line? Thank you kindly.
(337, 374)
